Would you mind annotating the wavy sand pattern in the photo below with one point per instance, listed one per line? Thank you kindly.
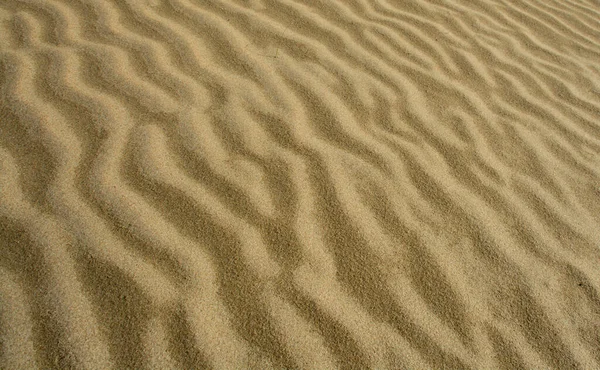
(322, 184)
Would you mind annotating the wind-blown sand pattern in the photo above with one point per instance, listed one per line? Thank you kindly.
(315, 184)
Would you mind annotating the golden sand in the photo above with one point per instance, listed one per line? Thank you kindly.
(311, 184)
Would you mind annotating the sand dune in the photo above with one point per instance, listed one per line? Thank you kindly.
(254, 184)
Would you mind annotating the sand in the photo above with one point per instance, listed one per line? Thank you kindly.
(311, 184)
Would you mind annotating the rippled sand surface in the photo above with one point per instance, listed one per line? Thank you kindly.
(311, 184)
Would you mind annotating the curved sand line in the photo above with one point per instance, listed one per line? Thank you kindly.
(299, 184)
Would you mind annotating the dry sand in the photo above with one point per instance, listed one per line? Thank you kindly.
(315, 184)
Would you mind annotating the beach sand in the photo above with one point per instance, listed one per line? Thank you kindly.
(311, 184)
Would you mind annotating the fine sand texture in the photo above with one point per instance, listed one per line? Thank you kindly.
(300, 184)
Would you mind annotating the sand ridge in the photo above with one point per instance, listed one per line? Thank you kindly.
(319, 184)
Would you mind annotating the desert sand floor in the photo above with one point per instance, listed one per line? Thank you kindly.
(313, 184)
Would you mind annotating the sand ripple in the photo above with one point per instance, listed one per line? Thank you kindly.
(318, 184)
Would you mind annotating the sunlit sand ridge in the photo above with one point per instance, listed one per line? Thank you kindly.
(254, 184)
